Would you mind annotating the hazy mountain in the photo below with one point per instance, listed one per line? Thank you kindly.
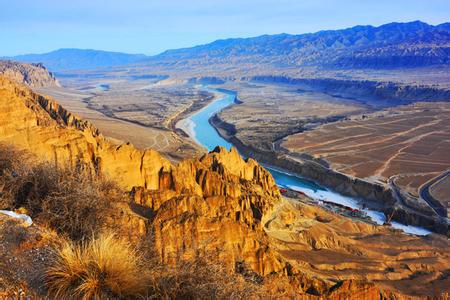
(411, 44)
(74, 59)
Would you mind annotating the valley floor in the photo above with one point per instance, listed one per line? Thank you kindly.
(126, 128)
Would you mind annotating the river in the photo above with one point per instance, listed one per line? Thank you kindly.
(200, 130)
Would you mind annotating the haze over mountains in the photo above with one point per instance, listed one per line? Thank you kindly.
(72, 59)
(393, 45)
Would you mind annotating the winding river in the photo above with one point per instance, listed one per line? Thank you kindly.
(200, 130)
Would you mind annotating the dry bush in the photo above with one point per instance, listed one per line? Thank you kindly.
(69, 200)
(80, 205)
(200, 279)
(103, 267)
(11, 165)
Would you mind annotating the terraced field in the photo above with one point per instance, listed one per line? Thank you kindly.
(409, 142)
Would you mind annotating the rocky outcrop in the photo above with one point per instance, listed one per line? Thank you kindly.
(34, 75)
(214, 204)
(39, 124)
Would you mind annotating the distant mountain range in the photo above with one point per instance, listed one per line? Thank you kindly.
(75, 59)
(413, 44)
(394, 45)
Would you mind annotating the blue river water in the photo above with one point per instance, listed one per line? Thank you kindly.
(206, 135)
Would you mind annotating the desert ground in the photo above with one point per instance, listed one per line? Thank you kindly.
(136, 111)
(409, 143)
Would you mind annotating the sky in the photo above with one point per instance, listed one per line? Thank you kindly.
(150, 27)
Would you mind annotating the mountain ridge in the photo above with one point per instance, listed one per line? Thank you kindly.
(327, 48)
(391, 45)
(72, 58)
(34, 75)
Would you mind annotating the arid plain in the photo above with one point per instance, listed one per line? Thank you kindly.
(136, 111)
(408, 144)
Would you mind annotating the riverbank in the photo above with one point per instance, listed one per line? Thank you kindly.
(177, 124)
(373, 195)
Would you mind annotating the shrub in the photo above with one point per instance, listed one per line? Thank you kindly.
(11, 165)
(70, 200)
(79, 205)
(106, 267)
(199, 279)
(103, 267)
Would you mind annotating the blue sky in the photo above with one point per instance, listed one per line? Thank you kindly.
(148, 26)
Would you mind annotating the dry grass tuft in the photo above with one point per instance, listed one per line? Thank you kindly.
(103, 267)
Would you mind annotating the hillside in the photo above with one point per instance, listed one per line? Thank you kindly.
(76, 59)
(414, 44)
(35, 75)
(219, 207)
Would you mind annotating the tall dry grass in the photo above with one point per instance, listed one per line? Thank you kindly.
(103, 267)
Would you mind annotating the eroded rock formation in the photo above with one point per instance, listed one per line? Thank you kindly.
(35, 75)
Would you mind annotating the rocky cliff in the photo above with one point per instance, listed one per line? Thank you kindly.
(224, 207)
(34, 75)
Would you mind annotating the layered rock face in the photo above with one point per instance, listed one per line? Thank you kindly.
(42, 126)
(213, 205)
(35, 75)
(224, 207)
(385, 93)
(219, 197)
